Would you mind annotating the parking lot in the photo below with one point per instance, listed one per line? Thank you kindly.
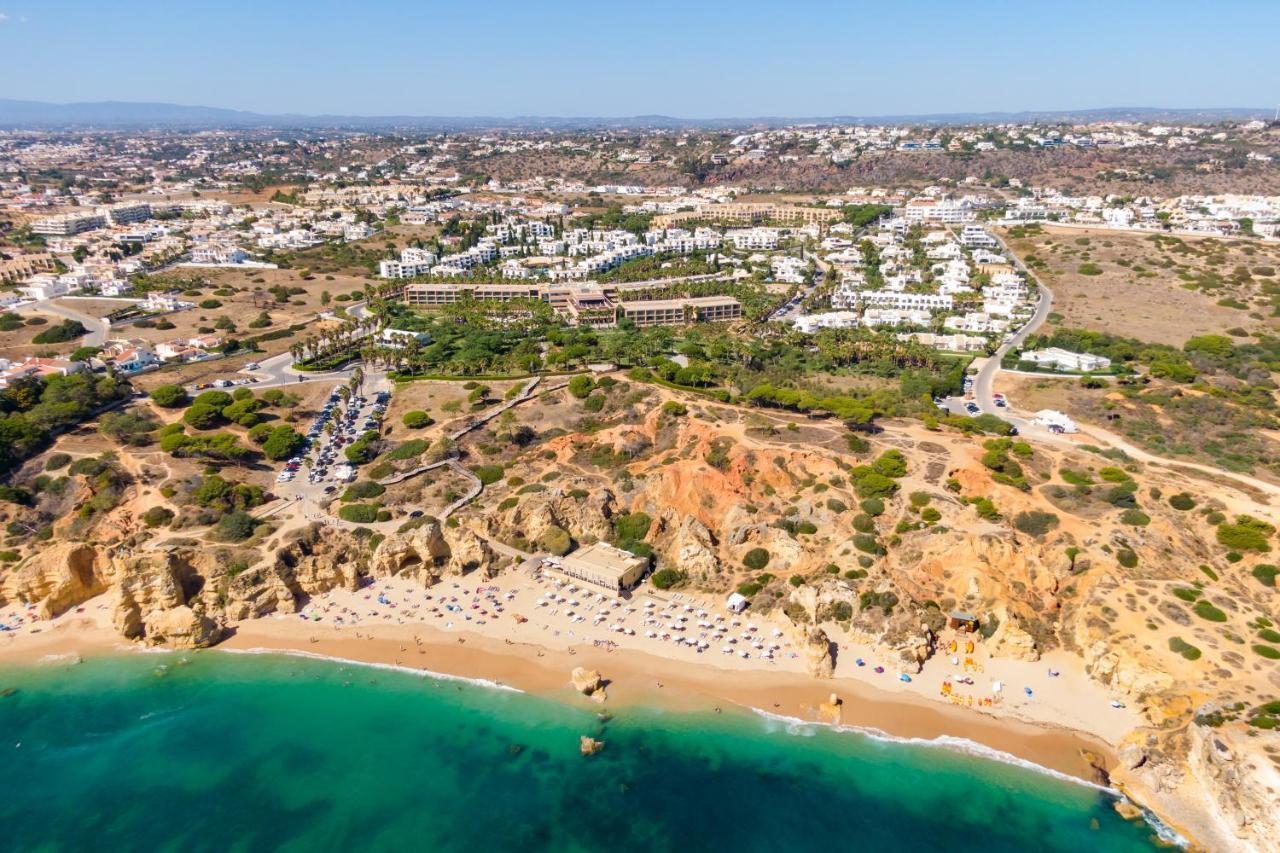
(336, 427)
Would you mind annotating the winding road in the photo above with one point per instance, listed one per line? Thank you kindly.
(98, 328)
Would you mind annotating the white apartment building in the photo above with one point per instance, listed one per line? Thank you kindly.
(1061, 359)
(66, 224)
(126, 212)
(950, 343)
(946, 211)
(906, 301)
(810, 323)
(975, 322)
(753, 238)
(875, 317)
(216, 253)
(976, 237)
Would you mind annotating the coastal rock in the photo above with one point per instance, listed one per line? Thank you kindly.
(589, 745)
(310, 561)
(147, 586)
(831, 711)
(589, 518)
(1010, 641)
(816, 650)
(429, 552)
(1241, 783)
(586, 681)
(182, 627)
(693, 549)
(59, 578)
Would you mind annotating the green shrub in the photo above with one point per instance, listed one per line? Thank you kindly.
(1187, 595)
(282, 442)
(581, 386)
(872, 507)
(930, 515)
(417, 419)
(594, 403)
(674, 408)
(56, 461)
(1266, 574)
(9, 556)
(756, 558)
(1246, 534)
(919, 500)
(156, 516)
(362, 490)
(1270, 635)
(1127, 558)
(1205, 610)
(1268, 652)
(359, 513)
(986, 509)
(170, 396)
(1182, 647)
(667, 578)
(632, 526)
(891, 463)
(67, 330)
(1135, 518)
(488, 474)
(1182, 501)
(235, 526)
(867, 543)
(1035, 522)
(408, 450)
(555, 540)
(886, 601)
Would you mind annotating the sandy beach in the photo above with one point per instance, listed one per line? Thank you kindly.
(529, 632)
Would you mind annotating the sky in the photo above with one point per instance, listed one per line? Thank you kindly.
(692, 59)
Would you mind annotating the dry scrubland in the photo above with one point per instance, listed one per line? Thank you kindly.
(16, 335)
(1154, 287)
(1163, 588)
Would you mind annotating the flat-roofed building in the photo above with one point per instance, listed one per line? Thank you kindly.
(604, 566)
(675, 312)
(436, 294)
(589, 306)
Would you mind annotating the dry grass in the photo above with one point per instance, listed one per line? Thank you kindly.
(1162, 292)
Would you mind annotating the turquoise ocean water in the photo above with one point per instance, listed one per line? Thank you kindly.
(264, 752)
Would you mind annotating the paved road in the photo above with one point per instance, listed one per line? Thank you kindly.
(984, 383)
(98, 327)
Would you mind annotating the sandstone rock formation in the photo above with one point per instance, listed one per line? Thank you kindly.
(1010, 641)
(586, 681)
(430, 552)
(59, 578)
(815, 649)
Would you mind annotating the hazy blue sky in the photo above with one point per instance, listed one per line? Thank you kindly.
(712, 58)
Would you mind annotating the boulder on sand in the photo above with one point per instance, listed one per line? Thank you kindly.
(586, 681)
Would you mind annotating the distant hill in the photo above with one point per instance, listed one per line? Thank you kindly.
(139, 115)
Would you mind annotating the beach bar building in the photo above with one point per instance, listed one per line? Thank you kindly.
(605, 566)
(961, 621)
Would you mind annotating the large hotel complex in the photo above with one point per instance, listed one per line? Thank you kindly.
(586, 305)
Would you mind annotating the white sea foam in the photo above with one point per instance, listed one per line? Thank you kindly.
(408, 670)
(797, 726)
